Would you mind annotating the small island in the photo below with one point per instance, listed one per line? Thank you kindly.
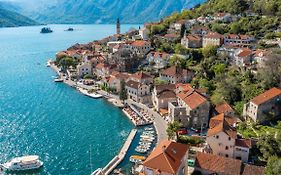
(46, 30)
(70, 29)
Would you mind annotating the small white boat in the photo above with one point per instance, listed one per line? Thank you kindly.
(23, 163)
(92, 95)
(58, 80)
(97, 171)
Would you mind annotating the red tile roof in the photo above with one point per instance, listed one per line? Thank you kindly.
(101, 65)
(266, 96)
(193, 37)
(140, 75)
(166, 157)
(245, 52)
(171, 35)
(174, 71)
(253, 170)
(140, 43)
(217, 164)
(214, 35)
(223, 108)
(246, 143)
(192, 99)
(222, 123)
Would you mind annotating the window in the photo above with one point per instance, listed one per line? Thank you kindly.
(226, 155)
(226, 148)
(217, 137)
(229, 138)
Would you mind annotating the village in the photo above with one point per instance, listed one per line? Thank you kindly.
(200, 135)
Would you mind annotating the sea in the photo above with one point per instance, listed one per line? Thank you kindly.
(73, 134)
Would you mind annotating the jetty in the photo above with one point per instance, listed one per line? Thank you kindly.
(118, 158)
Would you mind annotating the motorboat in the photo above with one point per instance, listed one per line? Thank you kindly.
(24, 163)
(137, 159)
(97, 171)
(58, 80)
(148, 129)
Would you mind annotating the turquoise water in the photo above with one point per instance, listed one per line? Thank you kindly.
(38, 116)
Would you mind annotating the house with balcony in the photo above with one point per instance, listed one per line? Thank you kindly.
(212, 38)
(162, 95)
(243, 57)
(265, 106)
(168, 158)
(140, 47)
(84, 68)
(158, 60)
(175, 75)
(191, 108)
(222, 139)
(138, 92)
(191, 41)
(239, 40)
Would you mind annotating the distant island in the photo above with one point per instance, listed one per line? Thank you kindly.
(13, 19)
(46, 30)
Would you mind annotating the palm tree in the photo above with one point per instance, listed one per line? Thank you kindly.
(172, 130)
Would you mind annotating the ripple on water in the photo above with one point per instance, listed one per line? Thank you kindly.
(38, 116)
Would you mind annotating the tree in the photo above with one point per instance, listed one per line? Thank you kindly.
(173, 129)
(273, 166)
(88, 76)
(183, 30)
(123, 91)
(210, 51)
(158, 81)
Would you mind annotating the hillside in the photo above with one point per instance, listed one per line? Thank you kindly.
(13, 19)
(103, 11)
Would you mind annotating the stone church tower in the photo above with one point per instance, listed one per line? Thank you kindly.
(118, 27)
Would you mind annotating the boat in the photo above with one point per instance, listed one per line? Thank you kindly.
(137, 159)
(46, 30)
(92, 95)
(148, 129)
(58, 80)
(49, 62)
(97, 171)
(141, 150)
(24, 163)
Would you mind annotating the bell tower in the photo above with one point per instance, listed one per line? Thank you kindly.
(118, 27)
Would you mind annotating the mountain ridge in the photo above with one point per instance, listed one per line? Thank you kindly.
(106, 11)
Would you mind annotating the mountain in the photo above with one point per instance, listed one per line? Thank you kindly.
(102, 11)
(13, 19)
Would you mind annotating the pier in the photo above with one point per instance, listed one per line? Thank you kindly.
(118, 159)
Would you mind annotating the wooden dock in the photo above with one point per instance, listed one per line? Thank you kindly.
(118, 159)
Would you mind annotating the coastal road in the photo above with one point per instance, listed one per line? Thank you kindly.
(159, 123)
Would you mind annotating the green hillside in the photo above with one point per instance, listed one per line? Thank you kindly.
(13, 19)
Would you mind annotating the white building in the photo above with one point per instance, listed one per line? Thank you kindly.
(84, 69)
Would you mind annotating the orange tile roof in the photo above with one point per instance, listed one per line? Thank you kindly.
(192, 99)
(139, 43)
(159, 54)
(214, 35)
(253, 170)
(266, 96)
(141, 75)
(217, 164)
(171, 35)
(101, 65)
(222, 123)
(224, 107)
(245, 52)
(246, 143)
(166, 157)
(174, 71)
(193, 38)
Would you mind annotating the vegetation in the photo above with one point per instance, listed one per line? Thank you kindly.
(173, 129)
(66, 62)
(88, 76)
(123, 92)
(158, 81)
(190, 140)
(13, 19)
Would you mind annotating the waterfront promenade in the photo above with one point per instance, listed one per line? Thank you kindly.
(159, 123)
(118, 159)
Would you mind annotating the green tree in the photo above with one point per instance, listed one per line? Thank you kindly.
(158, 81)
(273, 166)
(172, 129)
(88, 76)
(123, 91)
(210, 51)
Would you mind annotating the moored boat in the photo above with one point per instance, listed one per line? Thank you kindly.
(137, 159)
(58, 80)
(23, 163)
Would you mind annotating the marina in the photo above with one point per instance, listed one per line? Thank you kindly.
(117, 159)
